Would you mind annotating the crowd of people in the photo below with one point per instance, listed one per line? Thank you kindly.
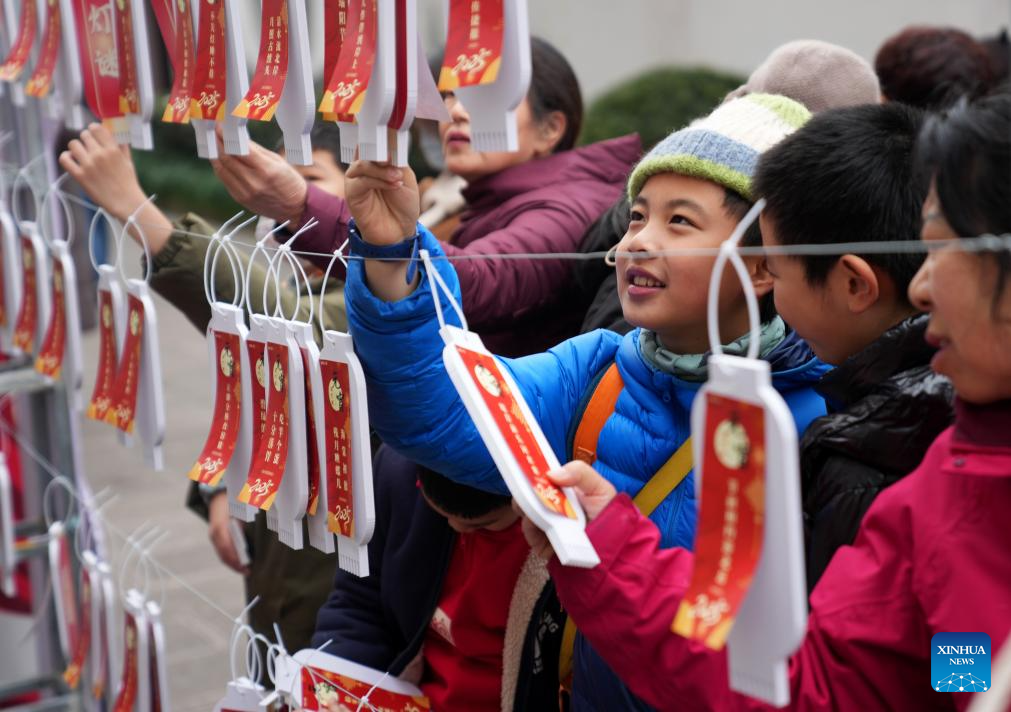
(894, 365)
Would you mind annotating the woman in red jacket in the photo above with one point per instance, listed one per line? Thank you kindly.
(932, 552)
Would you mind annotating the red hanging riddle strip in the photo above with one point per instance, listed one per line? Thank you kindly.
(265, 90)
(730, 529)
(345, 91)
(123, 399)
(21, 48)
(129, 99)
(177, 110)
(41, 80)
(24, 327)
(208, 97)
(72, 675)
(400, 100)
(473, 44)
(310, 436)
(128, 685)
(165, 15)
(338, 456)
(484, 371)
(258, 377)
(100, 66)
(220, 445)
(50, 359)
(267, 468)
(101, 396)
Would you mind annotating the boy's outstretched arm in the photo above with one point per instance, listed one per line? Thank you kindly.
(105, 170)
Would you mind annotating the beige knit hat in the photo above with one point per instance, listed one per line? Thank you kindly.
(818, 74)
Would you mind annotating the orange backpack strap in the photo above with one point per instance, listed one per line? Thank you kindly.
(598, 409)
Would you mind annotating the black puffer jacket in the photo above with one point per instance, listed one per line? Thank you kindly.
(886, 407)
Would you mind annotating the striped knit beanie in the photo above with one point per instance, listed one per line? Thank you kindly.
(723, 147)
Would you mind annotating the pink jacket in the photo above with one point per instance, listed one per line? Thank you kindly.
(931, 556)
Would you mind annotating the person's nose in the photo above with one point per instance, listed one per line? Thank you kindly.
(919, 287)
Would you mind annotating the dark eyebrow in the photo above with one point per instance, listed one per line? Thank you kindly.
(674, 203)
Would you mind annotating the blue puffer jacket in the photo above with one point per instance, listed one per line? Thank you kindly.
(415, 409)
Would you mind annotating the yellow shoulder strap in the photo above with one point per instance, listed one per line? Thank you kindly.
(655, 491)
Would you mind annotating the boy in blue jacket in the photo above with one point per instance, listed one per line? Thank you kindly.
(689, 191)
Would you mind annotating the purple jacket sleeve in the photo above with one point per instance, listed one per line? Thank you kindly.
(331, 232)
(863, 625)
(499, 291)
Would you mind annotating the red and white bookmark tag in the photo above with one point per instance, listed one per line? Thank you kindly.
(84, 645)
(134, 690)
(512, 435)
(255, 384)
(98, 654)
(35, 305)
(748, 589)
(111, 658)
(64, 595)
(137, 401)
(491, 106)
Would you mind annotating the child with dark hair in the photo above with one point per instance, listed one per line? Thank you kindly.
(455, 601)
(849, 176)
(931, 553)
(932, 67)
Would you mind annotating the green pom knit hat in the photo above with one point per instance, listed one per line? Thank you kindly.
(725, 146)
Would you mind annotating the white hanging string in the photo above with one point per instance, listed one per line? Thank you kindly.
(337, 255)
(728, 252)
(978, 243)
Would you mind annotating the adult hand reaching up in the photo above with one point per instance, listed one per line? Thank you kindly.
(262, 182)
(105, 170)
(592, 490)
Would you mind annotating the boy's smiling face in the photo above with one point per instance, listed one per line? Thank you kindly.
(668, 294)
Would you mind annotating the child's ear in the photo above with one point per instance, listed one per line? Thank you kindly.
(858, 281)
(761, 279)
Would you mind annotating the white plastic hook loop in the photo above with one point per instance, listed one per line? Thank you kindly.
(436, 283)
(253, 664)
(86, 524)
(284, 252)
(728, 251)
(101, 213)
(133, 545)
(132, 221)
(218, 243)
(337, 255)
(46, 219)
(261, 249)
(47, 500)
(23, 180)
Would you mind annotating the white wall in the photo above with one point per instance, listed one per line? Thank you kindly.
(607, 41)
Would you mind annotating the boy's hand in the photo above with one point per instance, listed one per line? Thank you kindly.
(105, 170)
(220, 532)
(261, 182)
(593, 492)
(383, 200)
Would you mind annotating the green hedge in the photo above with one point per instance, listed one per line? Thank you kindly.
(656, 103)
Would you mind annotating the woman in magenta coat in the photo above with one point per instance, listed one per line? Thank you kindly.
(932, 553)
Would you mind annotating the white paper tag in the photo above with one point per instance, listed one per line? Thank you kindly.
(33, 248)
(158, 671)
(296, 109)
(140, 123)
(73, 359)
(10, 273)
(493, 400)
(772, 619)
(242, 695)
(68, 72)
(64, 597)
(98, 655)
(378, 104)
(492, 107)
(233, 128)
(8, 556)
(337, 359)
(112, 618)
